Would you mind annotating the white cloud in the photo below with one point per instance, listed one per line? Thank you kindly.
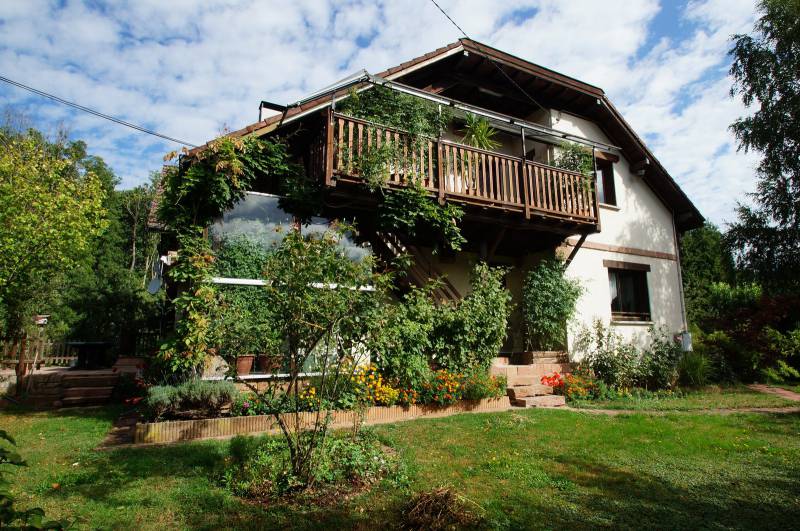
(186, 68)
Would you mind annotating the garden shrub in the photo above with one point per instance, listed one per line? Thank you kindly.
(608, 356)
(415, 333)
(621, 365)
(549, 300)
(469, 334)
(660, 361)
(204, 397)
(259, 467)
(694, 369)
(479, 384)
(402, 340)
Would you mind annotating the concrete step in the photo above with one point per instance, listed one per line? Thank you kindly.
(536, 369)
(93, 392)
(84, 380)
(81, 401)
(500, 360)
(540, 401)
(523, 391)
(526, 358)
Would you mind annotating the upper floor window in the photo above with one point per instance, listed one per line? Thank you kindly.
(606, 193)
(630, 299)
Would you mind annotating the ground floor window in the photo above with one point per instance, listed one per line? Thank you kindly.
(630, 299)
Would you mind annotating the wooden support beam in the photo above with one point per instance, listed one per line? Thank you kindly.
(498, 238)
(571, 256)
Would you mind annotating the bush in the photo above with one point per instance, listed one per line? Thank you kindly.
(206, 397)
(416, 333)
(621, 365)
(259, 467)
(469, 334)
(402, 341)
(442, 509)
(479, 384)
(660, 361)
(608, 356)
(549, 300)
(694, 369)
(162, 400)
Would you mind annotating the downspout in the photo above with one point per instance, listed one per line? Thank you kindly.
(686, 338)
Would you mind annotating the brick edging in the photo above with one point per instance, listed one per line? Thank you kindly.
(187, 430)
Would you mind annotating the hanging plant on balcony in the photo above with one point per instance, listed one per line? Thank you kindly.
(479, 133)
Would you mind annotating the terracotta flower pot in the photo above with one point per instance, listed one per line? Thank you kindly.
(244, 364)
(268, 364)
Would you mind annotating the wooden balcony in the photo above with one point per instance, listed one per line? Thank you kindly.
(460, 173)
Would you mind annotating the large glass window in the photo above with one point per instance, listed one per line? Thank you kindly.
(258, 217)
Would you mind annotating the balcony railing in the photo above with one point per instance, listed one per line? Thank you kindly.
(459, 173)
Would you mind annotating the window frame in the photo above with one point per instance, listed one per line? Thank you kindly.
(604, 170)
(642, 310)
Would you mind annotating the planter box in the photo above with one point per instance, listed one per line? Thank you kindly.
(187, 430)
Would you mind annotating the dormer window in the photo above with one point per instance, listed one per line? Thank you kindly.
(606, 193)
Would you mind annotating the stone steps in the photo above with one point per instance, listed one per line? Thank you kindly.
(87, 392)
(540, 401)
(523, 391)
(524, 372)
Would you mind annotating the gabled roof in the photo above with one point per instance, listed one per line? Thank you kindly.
(552, 87)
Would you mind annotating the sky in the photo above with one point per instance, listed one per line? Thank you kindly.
(190, 68)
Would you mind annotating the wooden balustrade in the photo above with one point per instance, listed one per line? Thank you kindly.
(457, 172)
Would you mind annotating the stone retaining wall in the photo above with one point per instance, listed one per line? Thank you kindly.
(186, 430)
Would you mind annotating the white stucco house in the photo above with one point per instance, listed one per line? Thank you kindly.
(618, 228)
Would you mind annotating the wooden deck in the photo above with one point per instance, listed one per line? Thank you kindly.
(459, 173)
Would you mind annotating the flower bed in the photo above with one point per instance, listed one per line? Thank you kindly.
(186, 430)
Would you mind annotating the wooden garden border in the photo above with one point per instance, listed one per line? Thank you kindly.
(187, 430)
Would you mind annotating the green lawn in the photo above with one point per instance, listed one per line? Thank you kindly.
(711, 397)
(527, 469)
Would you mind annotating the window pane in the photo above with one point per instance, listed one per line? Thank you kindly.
(629, 295)
(256, 217)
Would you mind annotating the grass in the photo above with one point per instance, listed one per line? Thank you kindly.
(527, 469)
(710, 397)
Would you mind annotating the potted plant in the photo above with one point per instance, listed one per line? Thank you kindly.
(268, 363)
(244, 364)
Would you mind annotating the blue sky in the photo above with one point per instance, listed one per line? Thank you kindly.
(189, 69)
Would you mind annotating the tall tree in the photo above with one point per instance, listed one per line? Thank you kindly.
(51, 208)
(766, 70)
(704, 260)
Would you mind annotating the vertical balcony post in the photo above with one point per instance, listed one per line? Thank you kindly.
(440, 170)
(329, 147)
(524, 173)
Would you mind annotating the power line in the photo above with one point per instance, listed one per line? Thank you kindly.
(464, 33)
(94, 112)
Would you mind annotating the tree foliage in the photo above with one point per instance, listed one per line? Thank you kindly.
(765, 69)
(549, 300)
(51, 209)
(321, 311)
(574, 157)
(704, 260)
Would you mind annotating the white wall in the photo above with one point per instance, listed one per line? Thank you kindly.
(640, 221)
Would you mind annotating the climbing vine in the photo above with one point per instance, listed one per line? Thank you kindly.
(411, 208)
(203, 186)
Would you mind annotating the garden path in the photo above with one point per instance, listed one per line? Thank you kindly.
(784, 393)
